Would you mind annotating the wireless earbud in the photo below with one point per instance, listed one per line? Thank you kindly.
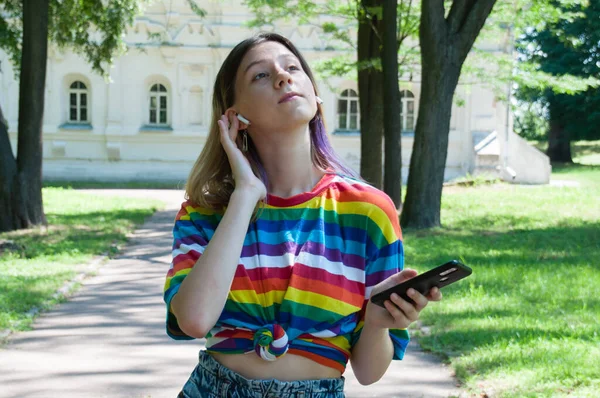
(243, 119)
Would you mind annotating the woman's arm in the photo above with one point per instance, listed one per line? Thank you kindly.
(374, 350)
(372, 354)
(202, 295)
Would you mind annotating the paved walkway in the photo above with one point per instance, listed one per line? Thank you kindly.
(108, 340)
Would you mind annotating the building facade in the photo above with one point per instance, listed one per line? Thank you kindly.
(150, 121)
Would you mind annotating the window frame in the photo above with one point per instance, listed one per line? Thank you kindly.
(157, 95)
(405, 99)
(78, 92)
(350, 96)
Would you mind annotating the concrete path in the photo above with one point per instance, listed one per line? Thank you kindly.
(109, 339)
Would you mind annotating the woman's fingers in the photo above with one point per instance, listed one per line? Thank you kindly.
(224, 133)
(396, 313)
(234, 126)
(407, 308)
(420, 300)
(240, 166)
(435, 294)
(228, 132)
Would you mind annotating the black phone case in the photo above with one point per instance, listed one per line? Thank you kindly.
(439, 276)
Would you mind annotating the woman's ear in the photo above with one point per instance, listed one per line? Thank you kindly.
(243, 123)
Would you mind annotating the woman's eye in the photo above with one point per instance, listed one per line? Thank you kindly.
(294, 67)
(260, 76)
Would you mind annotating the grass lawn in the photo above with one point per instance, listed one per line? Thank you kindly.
(114, 185)
(527, 322)
(80, 226)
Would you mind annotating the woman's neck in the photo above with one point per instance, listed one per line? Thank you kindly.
(288, 163)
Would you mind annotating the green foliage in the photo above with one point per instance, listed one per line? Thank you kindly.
(92, 28)
(562, 67)
(513, 19)
(341, 65)
(196, 8)
(337, 22)
(11, 28)
(531, 120)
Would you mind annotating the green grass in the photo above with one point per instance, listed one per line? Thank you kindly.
(80, 226)
(526, 323)
(114, 185)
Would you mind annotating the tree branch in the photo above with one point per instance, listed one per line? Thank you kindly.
(432, 20)
(458, 13)
(473, 23)
(369, 16)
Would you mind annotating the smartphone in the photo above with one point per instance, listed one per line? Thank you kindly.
(440, 276)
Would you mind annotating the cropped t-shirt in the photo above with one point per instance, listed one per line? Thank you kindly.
(305, 273)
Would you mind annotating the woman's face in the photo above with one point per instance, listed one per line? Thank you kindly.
(272, 90)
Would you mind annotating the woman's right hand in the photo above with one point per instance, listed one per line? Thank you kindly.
(244, 177)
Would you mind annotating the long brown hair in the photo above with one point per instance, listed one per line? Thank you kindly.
(210, 182)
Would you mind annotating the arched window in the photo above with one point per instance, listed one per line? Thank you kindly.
(407, 111)
(347, 110)
(78, 102)
(158, 105)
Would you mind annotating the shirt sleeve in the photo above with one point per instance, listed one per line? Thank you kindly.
(386, 261)
(191, 233)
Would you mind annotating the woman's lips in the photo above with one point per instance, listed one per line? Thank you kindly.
(289, 97)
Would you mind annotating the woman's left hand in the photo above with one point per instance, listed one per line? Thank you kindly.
(398, 313)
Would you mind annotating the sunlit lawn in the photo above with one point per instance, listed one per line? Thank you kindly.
(81, 226)
(527, 322)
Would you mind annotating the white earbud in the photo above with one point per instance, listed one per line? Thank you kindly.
(319, 100)
(243, 119)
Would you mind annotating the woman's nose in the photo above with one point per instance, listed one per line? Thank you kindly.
(282, 78)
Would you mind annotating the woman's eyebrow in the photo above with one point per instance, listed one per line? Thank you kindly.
(260, 61)
(253, 63)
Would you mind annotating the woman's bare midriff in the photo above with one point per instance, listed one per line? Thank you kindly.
(287, 368)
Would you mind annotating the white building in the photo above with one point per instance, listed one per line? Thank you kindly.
(151, 120)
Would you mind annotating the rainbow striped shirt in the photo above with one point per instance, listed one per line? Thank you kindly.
(308, 265)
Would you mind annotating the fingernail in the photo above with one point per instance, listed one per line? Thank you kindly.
(411, 292)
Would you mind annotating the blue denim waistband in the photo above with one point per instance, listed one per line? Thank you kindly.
(272, 386)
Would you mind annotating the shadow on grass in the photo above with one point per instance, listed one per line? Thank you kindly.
(90, 233)
(515, 246)
(565, 168)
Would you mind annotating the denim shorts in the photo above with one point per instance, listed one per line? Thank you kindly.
(210, 379)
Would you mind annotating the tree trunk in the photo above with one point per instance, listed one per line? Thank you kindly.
(22, 185)
(445, 43)
(8, 171)
(428, 161)
(392, 183)
(370, 85)
(559, 140)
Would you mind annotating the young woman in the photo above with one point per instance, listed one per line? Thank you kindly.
(279, 246)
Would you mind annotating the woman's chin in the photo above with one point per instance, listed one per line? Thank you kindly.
(299, 117)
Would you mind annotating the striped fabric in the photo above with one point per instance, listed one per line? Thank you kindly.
(309, 263)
